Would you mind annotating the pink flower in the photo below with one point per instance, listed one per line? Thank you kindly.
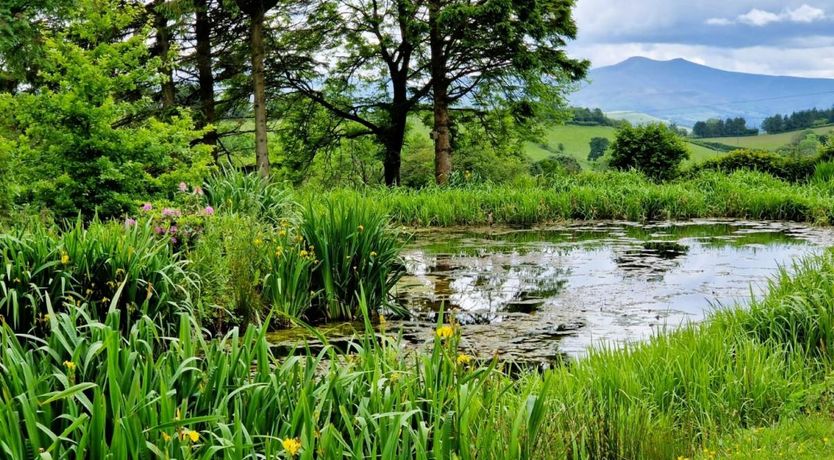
(173, 230)
(183, 187)
(173, 241)
(209, 211)
(130, 222)
(147, 207)
(158, 230)
(168, 212)
(198, 190)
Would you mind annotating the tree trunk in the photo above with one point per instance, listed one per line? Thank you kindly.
(205, 72)
(259, 87)
(395, 138)
(440, 88)
(162, 49)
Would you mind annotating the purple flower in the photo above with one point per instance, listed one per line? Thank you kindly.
(147, 207)
(209, 211)
(198, 190)
(183, 187)
(130, 222)
(168, 212)
(173, 241)
(158, 230)
(173, 230)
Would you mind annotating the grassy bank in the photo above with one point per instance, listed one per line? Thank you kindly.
(594, 196)
(88, 389)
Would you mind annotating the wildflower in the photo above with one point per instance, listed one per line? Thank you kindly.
(361, 228)
(158, 230)
(170, 212)
(166, 437)
(173, 241)
(464, 359)
(302, 253)
(173, 230)
(147, 207)
(193, 435)
(382, 321)
(69, 365)
(65, 260)
(209, 211)
(130, 222)
(373, 254)
(183, 187)
(282, 233)
(258, 242)
(445, 331)
(292, 446)
(394, 377)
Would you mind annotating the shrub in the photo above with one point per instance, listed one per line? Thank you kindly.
(357, 249)
(791, 169)
(653, 149)
(91, 265)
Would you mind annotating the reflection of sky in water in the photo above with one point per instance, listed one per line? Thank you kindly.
(621, 282)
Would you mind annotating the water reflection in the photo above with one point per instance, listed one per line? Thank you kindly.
(609, 282)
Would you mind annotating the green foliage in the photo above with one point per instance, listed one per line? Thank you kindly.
(232, 257)
(235, 192)
(81, 143)
(357, 251)
(787, 168)
(652, 149)
(598, 147)
(555, 165)
(288, 283)
(94, 266)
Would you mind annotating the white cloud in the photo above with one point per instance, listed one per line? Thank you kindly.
(757, 17)
(806, 13)
(760, 18)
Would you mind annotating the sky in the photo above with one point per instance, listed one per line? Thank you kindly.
(757, 36)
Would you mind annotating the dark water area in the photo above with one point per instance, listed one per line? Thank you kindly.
(539, 293)
(542, 294)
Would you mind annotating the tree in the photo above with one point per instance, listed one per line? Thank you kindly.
(598, 147)
(372, 84)
(256, 11)
(493, 53)
(652, 149)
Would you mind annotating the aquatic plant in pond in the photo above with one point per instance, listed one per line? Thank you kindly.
(356, 249)
(233, 191)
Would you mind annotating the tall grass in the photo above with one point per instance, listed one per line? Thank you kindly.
(91, 264)
(598, 196)
(356, 248)
(235, 192)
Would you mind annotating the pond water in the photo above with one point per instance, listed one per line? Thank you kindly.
(539, 294)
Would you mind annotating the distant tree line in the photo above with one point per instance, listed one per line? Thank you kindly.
(723, 128)
(802, 119)
(591, 117)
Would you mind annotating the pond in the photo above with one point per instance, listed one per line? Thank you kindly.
(542, 293)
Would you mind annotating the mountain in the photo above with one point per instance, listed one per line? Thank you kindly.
(685, 92)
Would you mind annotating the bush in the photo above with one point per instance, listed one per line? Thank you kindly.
(790, 169)
(652, 149)
(555, 165)
(357, 251)
(91, 265)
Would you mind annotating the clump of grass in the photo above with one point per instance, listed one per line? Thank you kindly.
(355, 248)
(235, 192)
(91, 264)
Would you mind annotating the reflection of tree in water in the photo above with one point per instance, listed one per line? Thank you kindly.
(651, 259)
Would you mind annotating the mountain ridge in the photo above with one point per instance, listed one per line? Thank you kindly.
(686, 92)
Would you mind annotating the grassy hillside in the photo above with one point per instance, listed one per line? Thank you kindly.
(576, 139)
(766, 141)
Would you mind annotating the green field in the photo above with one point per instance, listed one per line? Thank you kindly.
(576, 140)
(766, 141)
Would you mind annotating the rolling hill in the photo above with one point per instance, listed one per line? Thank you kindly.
(685, 92)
